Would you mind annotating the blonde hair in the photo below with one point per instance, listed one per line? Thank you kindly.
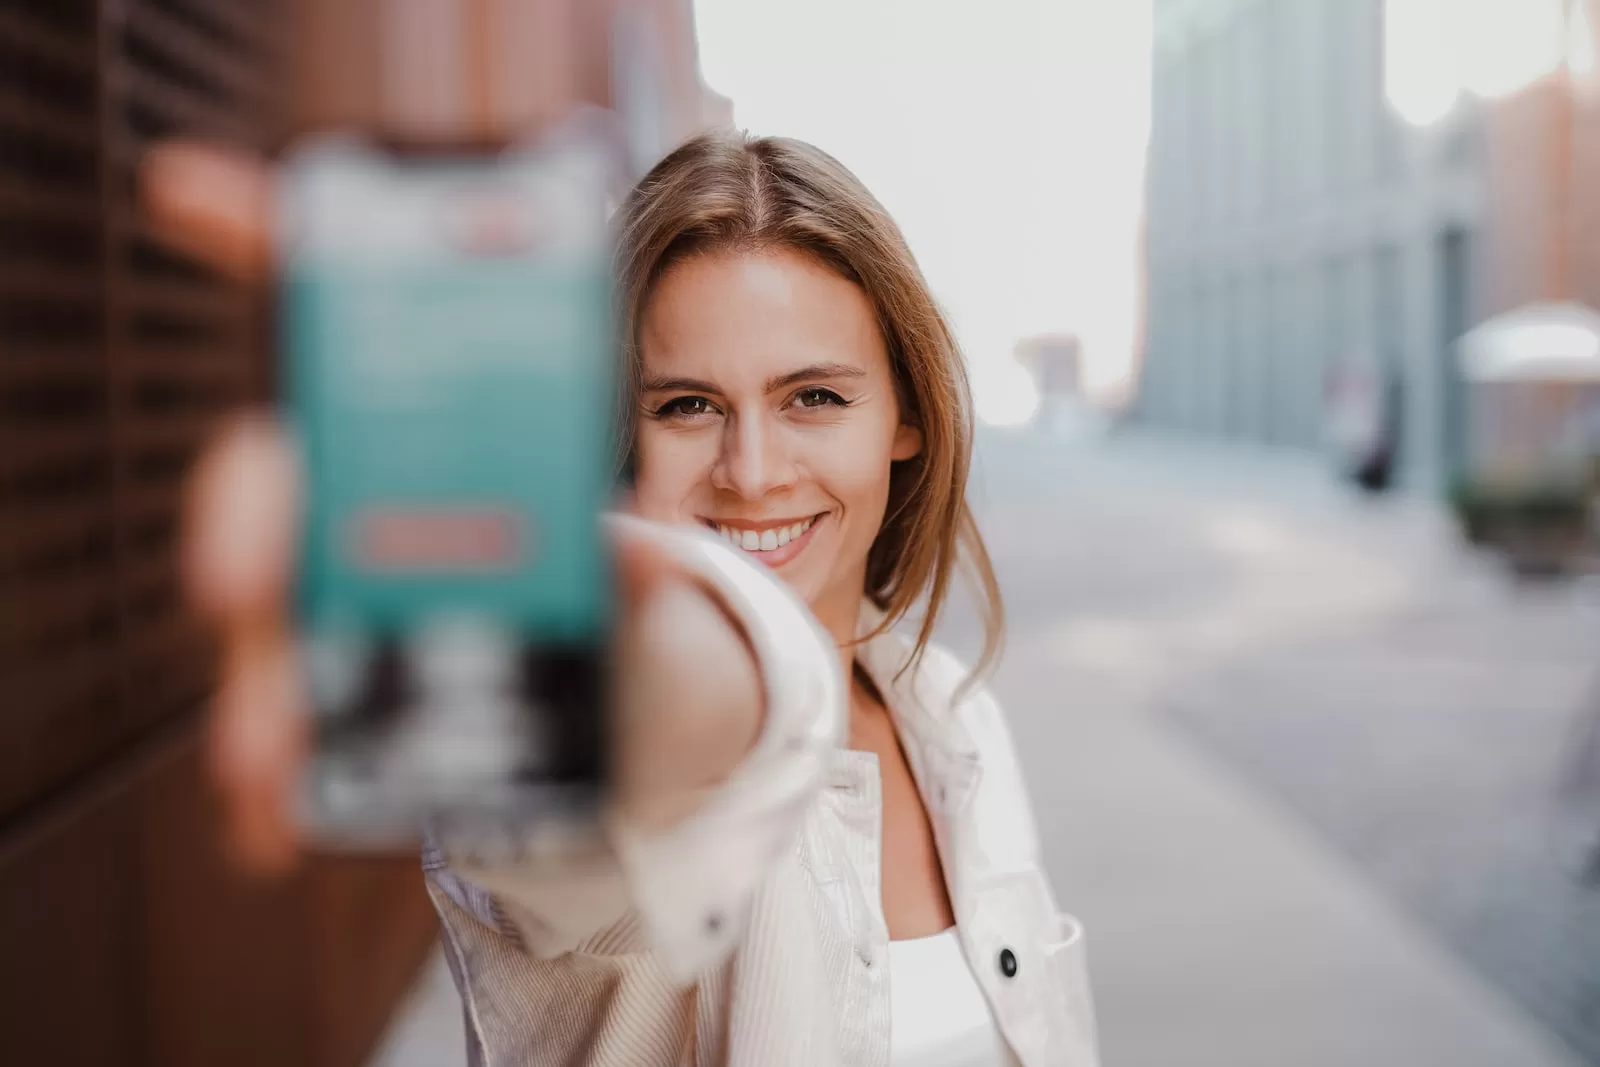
(726, 191)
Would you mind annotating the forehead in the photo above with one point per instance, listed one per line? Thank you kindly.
(740, 317)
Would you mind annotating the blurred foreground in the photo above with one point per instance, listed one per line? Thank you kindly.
(1292, 754)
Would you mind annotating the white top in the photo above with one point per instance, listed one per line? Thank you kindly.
(938, 1016)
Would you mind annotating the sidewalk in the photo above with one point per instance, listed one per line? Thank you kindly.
(1221, 933)
(1222, 930)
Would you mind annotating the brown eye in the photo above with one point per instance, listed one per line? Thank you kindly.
(817, 397)
(687, 407)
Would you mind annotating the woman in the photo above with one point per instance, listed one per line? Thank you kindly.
(791, 386)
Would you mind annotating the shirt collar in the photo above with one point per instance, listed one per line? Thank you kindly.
(920, 699)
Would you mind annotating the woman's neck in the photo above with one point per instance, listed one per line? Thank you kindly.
(840, 616)
(844, 639)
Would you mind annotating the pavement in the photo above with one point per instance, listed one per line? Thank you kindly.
(1226, 924)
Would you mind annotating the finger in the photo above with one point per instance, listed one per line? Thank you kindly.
(257, 839)
(214, 204)
(239, 526)
(259, 733)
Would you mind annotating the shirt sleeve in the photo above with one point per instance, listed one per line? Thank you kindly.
(689, 885)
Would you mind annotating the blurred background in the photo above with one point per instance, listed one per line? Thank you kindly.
(1280, 320)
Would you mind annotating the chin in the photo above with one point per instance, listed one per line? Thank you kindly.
(805, 584)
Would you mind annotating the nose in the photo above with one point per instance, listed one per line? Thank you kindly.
(754, 459)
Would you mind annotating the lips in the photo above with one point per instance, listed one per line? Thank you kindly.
(772, 544)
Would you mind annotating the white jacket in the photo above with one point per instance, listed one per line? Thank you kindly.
(772, 905)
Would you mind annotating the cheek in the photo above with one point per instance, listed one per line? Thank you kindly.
(853, 468)
(669, 470)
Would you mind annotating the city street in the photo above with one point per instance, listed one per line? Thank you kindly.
(1292, 754)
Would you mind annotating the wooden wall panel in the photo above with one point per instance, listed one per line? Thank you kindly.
(58, 711)
(124, 936)
(228, 968)
(366, 917)
(70, 939)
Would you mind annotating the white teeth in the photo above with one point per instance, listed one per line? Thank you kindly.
(766, 540)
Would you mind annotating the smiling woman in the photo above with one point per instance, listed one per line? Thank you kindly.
(791, 385)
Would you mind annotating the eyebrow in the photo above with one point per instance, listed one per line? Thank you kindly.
(807, 373)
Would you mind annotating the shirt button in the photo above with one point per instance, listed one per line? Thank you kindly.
(1008, 963)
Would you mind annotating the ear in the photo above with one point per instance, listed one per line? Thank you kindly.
(907, 442)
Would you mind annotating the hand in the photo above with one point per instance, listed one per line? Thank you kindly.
(688, 696)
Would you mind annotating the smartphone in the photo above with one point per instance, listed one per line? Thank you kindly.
(446, 322)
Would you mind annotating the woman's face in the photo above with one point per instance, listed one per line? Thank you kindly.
(768, 413)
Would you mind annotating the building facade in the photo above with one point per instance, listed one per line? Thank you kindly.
(1296, 225)
(1542, 160)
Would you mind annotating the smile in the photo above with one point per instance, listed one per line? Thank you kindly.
(770, 543)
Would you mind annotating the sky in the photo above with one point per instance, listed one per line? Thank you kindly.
(1007, 138)
(1442, 50)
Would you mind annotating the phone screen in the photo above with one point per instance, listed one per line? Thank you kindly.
(448, 332)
